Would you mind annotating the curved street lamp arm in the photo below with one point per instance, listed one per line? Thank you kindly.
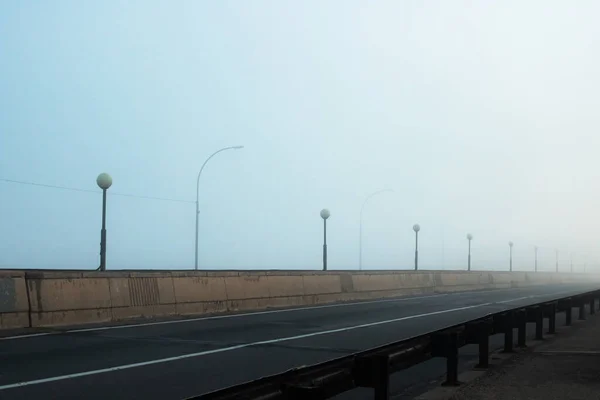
(205, 162)
(371, 195)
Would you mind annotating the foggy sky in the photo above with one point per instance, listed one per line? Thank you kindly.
(481, 116)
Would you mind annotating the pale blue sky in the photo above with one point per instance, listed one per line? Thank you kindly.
(481, 115)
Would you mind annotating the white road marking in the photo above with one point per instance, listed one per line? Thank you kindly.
(28, 335)
(535, 296)
(231, 348)
(226, 316)
(517, 299)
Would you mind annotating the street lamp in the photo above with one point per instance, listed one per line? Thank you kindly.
(510, 244)
(556, 260)
(469, 238)
(325, 214)
(416, 228)
(104, 181)
(571, 255)
(535, 248)
(361, 224)
(198, 195)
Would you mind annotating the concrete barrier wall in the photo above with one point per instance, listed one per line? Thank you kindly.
(54, 298)
(14, 306)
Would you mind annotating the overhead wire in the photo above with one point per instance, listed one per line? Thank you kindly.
(45, 185)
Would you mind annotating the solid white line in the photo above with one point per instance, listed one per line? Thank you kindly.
(28, 335)
(226, 316)
(534, 296)
(231, 348)
(517, 299)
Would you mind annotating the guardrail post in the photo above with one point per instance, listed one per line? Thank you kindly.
(452, 360)
(381, 381)
(508, 332)
(552, 318)
(568, 312)
(446, 344)
(373, 372)
(582, 309)
(522, 333)
(539, 324)
(484, 346)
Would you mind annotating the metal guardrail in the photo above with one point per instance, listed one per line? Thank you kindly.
(372, 368)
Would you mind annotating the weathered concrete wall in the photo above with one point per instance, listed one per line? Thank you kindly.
(14, 306)
(52, 298)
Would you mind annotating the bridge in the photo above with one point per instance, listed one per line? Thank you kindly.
(176, 334)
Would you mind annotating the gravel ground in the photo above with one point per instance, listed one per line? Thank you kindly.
(566, 366)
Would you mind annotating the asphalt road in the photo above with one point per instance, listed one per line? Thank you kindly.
(180, 358)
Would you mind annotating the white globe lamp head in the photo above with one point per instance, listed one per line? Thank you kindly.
(510, 244)
(104, 181)
(469, 236)
(325, 213)
(416, 227)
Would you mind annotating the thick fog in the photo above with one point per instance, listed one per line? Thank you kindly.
(482, 117)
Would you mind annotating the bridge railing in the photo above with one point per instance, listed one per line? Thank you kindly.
(372, 368)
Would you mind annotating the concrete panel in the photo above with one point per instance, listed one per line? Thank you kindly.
(201, 308)
(292, 285)
(14, 320)
(68, 294)
(9, 296)
(166, 290)
(76, 317)
(321, 284)
(143, 291)
(416, 280)
(119, 292)
(368, 283)
(462, 288)
(407, 280)
(247, 287)
(214, 307)
(347, 282)
(461, 279)
(11, 273)
(151, 311)
(278, 302)
(198, 289)
(242, 305)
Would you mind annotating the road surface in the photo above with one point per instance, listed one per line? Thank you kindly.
(176, 359)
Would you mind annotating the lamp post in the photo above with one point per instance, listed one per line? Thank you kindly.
(325, 214)
(198, 195)
(104, 181)
(361, 224)
(469, 238)
(556, 260)
(571, 255)
(510, 244)
(535, 248)
(416, 228)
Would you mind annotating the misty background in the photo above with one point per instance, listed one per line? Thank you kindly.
(481, 116)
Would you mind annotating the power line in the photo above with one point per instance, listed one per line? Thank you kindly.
(93, 191)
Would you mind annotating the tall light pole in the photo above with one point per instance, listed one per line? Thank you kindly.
(535, 248)
(469, 238)
(361, 224)
(571, 262)
(510, 245)
(416, 228)
(325, 214)
(556, 260)
(104, 181)
(198, 196)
